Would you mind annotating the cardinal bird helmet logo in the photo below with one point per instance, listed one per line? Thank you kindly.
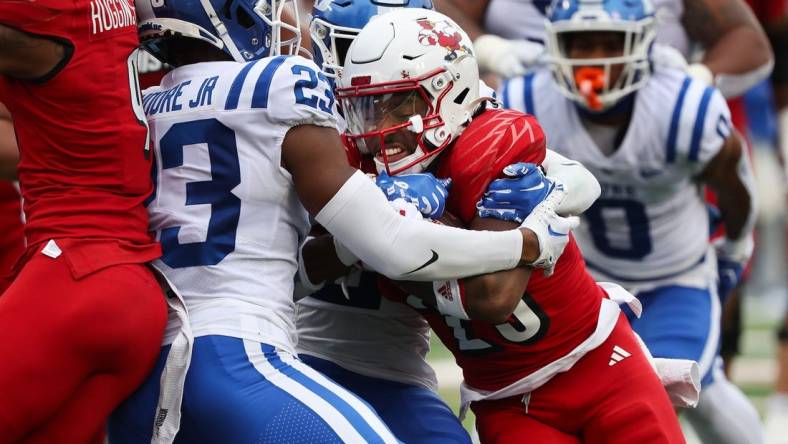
(445, 35)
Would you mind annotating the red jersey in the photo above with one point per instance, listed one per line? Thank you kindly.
(84, 164)
(12, 238)
(557, 313)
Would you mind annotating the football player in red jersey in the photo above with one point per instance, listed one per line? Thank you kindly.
(83, 319)
(529, 364)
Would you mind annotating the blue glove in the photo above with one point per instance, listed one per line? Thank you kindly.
(514, 198)
(732, 258)
(730, 273)
(715, 218)
(423, 190)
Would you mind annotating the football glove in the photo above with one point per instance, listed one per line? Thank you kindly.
(732, 258)
(423, 190)
(514, 197)
(551, 230)
(508, 58)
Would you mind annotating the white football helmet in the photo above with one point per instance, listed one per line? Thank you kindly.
(413, 69)
(633, 18)
(335, 23)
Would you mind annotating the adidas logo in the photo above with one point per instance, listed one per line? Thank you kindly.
(619, 354)
(445, 291)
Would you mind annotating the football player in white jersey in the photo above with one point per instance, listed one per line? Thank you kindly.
(247, 148)
(737, 53)
(653, 139)
(370, 345)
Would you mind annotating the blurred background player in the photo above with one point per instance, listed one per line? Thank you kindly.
(409, 89)
(370, 345)
(648, 229)
(247, 149)
(83, 319)
(736, 53)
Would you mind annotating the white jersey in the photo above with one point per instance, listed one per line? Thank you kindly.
(650, 226)
(365, 332)
(225, 210)
(520, 19)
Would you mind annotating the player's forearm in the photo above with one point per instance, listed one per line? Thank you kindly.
(730, 175)
(493, 297)
(753, 63)
(408, 249)
(488, 298)
(750, 46)
(738, 53)
(320, 261)
(735, 206)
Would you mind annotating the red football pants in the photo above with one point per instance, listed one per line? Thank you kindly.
(72, 350)
(593, 402)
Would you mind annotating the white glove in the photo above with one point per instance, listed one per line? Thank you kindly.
(667, 56)
(551, 230)
(507, 58)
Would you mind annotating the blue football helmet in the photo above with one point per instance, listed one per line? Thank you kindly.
(335, 23)
(633, 18)
(243, 29)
